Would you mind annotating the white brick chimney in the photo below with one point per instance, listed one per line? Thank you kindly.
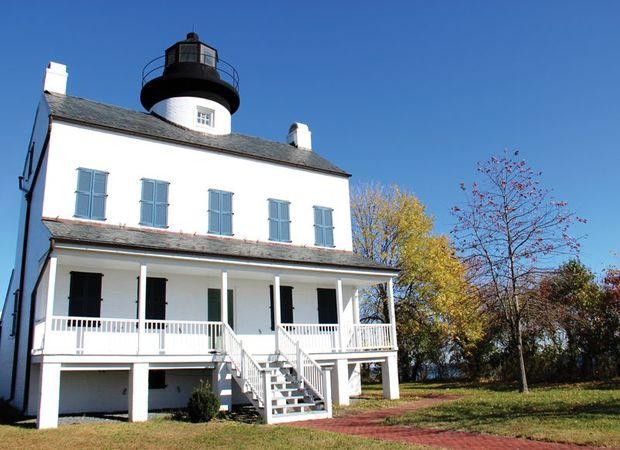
(55, 79)
(300, 136)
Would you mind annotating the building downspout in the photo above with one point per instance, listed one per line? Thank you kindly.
(33, 302)
(22, 273)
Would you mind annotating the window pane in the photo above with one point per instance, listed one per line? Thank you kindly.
(99, 183)
(214, 200)
(98, 207)
(226, 223)
(170, 56)
(188, 53)
(84, 180)
(207, 56)
(226, 202)
(214, 222)
(82, 205)
(148, 190)
(146, 213)
(161, 192)
(273, 230)
(161, 215)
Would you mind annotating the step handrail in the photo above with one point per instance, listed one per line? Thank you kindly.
(249, 370)
(303, 364)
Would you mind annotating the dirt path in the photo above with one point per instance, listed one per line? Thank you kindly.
(370, 424)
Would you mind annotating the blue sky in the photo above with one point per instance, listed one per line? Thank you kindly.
(412, 92)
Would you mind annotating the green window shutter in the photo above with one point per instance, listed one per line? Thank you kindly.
(147, 202)
(214, 212)
(274, 214)
(214, 307)
(318, 226)
(220, 212)
(323, 227)
(91, 193)
(226, 213)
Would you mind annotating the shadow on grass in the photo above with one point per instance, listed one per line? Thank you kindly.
(242, 413)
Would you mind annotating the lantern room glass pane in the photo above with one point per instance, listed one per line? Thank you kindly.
(188, 53)
(207, 56)
(170, 56)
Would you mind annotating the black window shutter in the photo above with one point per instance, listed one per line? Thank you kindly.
(85, 294)
(155, 298)
(327, 308)
(286, 304)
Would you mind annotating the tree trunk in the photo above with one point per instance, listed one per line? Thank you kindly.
(522, 375)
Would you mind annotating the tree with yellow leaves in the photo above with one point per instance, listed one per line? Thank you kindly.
(435, 306)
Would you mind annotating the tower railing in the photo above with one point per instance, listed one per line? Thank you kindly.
(227, 72)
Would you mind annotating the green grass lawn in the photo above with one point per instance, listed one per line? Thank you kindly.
(172, 434)
(582, 413)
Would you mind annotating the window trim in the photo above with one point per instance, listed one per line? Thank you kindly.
(91, 194)
(278, 220)
(220, 212)
(323, 227)
(154, 202)
(205, 110)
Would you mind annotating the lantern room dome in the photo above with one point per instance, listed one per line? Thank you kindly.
(190, 68)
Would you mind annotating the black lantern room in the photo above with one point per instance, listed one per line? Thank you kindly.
(190, 68)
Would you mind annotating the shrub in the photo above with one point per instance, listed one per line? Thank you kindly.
(203, 404)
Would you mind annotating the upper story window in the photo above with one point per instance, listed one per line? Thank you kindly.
(323, 227)
(279, 221)
(91, 194)
(154, 203)
(85, 294)
(204, 116)
(220, 212)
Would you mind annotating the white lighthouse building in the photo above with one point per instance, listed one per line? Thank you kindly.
(159, 248)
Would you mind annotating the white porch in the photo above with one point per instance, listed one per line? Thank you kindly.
(186, 338)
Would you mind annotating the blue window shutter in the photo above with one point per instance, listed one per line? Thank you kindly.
(285, 232)
(318, 226)
(82, 199)
(161, 204)
(214, 212)
(147, 202)
(100, 181)
(328, 228)
(273, 220)
(226, 213)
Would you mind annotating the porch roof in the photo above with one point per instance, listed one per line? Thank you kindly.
(174, 242)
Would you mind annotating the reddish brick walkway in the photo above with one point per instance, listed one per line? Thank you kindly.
(370, 424)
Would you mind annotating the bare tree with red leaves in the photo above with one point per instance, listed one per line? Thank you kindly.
(509, 232)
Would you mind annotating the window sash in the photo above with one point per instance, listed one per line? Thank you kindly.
(91, 194)
(220, 212)
(154, 203)
(279, 221)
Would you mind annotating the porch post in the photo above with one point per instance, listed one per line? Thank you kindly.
(277, 319)
(340, 312)
(49, 396)
(392, 313)
(138, 392)
(389, 378)
(224, 297)
(141, 308)
(356, 306)
(49, 301)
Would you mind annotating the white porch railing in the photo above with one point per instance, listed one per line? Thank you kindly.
(247, 368)
(363, 337)
(314, 338)
(306, 367)
(102, 336)
(325, 338)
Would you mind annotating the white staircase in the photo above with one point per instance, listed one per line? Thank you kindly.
(289, 387)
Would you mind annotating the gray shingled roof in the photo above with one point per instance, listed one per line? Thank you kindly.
(110, 235)
(79, 110)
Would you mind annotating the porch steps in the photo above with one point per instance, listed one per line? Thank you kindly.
(290, 399)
